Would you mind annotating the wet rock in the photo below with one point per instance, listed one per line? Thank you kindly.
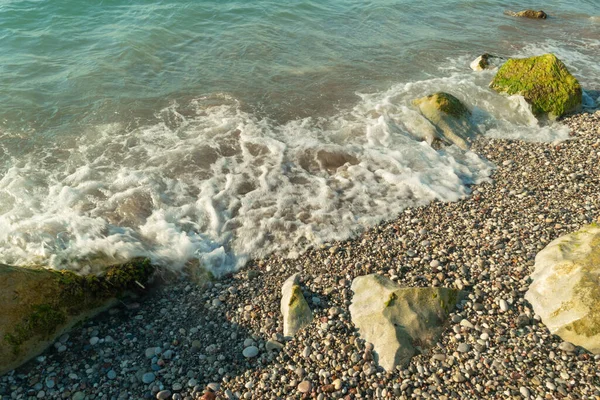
(449, 117)
(544, 81)
(532, 14)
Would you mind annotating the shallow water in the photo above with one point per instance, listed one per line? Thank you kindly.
(227, 130)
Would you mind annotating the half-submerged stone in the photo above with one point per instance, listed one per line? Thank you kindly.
(544, 81)
(37, 304)
(396, 320)
(294, 307)
(532, 14)
(565, 291)
(486, 61)
(450, 118)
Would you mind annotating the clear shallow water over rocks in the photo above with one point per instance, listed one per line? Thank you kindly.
(223, 131)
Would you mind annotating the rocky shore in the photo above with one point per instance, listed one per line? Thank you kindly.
(226, 340)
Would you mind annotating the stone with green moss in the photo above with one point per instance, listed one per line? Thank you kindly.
(294, 307)
(544, 81)
(449, 118)
(39, 304)
(565, 291)
(399, 321)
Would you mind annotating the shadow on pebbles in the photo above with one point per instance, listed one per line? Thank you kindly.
(184, 342)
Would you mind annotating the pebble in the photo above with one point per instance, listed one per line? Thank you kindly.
(94, 340)
(111, 374)
(524, 392)
(251, 351)
(148, 377)
(503, 305)
(567, 347)
(463, 348)
(163, 394)
(304, 387)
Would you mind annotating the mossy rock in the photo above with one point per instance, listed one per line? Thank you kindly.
(294, 307)
(544, 81)
(531, 14)
(449, 116)
(39, 304)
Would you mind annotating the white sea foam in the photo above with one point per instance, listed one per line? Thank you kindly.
(222, 185)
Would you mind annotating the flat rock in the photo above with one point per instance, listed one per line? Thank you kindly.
(39, 305)
(250, 352)
(565, 292)
(294, 307)
(396, 319)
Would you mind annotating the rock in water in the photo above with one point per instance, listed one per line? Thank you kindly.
(486, 61)
(566, 287)
(397, 319)
(295, 310)
(449, 116)
(543, 81)
(38, 305)
(528, 14)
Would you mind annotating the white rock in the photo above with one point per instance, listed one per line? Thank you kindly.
(295, 310)
(565, 292)
(395, 318)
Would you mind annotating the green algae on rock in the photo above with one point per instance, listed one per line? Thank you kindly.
(398, 319)
(544, 81)
(39, 304)
(566, 287)
(531, 14)
(450, 118)
(294, 307)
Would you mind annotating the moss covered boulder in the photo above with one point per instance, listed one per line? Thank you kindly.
(399, 320)
(38, 304)
(531, 14)
(566, 287)
(294, 307)
(450, 118)
(543, 81)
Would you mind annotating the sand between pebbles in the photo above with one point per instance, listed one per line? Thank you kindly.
(182, 340)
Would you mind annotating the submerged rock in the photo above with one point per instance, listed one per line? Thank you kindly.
(38, 304)
(450, 118)
(294, 307)
(543, 81)
(396, 320)
(528, 14)
(486, 61)
(566, 287)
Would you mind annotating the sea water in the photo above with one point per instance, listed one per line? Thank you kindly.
(226, 130)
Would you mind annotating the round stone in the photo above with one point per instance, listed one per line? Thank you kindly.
(111, 374)
(251, 351)
(304, 387)
(566, 346)
(163, 395)
(94, 341)
(463, 348)
(524, 391)
(148, 377)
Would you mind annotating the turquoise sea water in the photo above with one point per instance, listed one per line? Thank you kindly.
(223, 130)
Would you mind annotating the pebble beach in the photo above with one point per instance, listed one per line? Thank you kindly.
(223, 339)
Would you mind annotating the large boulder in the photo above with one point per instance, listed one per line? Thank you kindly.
(38, 305)
(396, 320)
(294, 307)
(543, 81)
(566, 287)
(450, 118)
(532, 14)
